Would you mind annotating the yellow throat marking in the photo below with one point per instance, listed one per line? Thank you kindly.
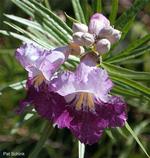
(38, 80)
(85, 98)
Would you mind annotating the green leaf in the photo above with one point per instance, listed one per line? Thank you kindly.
(87, 9)
(44, 18)
(18, 85)
(72, 19)
(119, 71)
(114, 10)
(17, 36)
(137, 43)
(133, 84)
(53, 37)
(46, 133)
(132, 55)
(78, 11)
(136, 138)
(34, 38)
(28, 10)
(126, 29)
(53, 16)
(36, 28)
(97, 6)
(123, 20)
(117, 89)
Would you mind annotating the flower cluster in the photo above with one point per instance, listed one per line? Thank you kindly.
(99, 34)
(78, 100)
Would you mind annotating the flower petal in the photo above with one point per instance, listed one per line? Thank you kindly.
(113, 112)
(48, 104)
(87, 78)
(38, 61)
(85, 127)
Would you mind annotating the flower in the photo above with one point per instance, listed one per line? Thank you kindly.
(79, 101)
(41, 64)
(99, 34)
(89, 109)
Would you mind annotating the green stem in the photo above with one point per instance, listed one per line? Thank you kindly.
(81, 148)
(45, 134)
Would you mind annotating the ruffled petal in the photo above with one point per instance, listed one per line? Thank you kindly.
(85, 127)
(48, 104)
(113, 112)
(38, 61)
(87, 78)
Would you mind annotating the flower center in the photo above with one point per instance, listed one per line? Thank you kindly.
(85, 100)
(38, 79)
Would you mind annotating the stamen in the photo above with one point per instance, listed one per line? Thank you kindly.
(80, 101)
(85, 100)
(90, 101)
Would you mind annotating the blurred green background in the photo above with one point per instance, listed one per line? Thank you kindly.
(18, 135)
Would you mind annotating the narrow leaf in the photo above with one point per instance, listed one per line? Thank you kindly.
(18, 36)
(137, 43)
(136, 138)
(53, 16)
(114, 10)
(123, 20)
(39, 41)
(97, 6)
(131, 55)
(46, 133)
(78, 11)
(132, 84)
(28, 10)
(113, 69)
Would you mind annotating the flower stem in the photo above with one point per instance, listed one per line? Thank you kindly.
(45, 134)
(81, 148)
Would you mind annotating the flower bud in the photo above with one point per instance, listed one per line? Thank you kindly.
(97, 23)
(106, 31)
(116, 35)
(78, 27)
(75, 49)
(88, 39)
(103, 46)
(77, 38)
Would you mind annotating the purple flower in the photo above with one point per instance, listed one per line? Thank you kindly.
(41, 64)
(79, 101)
(99, 34)
(89, 107)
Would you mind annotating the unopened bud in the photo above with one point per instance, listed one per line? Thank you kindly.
(78, 27)
(116, 35)
(88, 39)
(103, 46)
(75, 49)
(106, 31)
(77, 38)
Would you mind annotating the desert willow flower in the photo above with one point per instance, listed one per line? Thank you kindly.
(79, 101)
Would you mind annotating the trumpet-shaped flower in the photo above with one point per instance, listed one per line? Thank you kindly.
(80, 101)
